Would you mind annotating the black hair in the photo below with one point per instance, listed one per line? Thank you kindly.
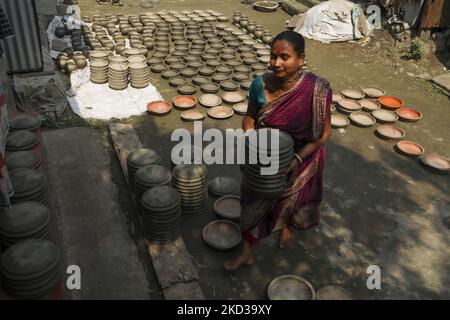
(294, 38)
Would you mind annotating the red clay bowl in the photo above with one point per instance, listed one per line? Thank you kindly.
(391, 103)
(184, 102)
(159, 108)
(409, 148)
(408, 114)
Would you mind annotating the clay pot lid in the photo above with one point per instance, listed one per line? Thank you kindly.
(250, 61)
(353, 94)
(220, 112)
(159, 107)
(389, 132)
(391, 103)
(259, 67)
(190, 172)
(22, 159)
(210, 100)
(409, 148)
(290, 287)
(188, 72)
(219, 77)
(233, 97)
(384, 116)
(221, 26)
(246, 48)
(182, 48)
(160, 197)
(259, 46)
(177, 66)
(408, 114)
(170, 60)
(167, 74)
(25, 122)
(362, 119)
(190, 58)
(222, 234)
(187, 89)
(224, 69)
(213, 63)
(21, 139)
(118, 59)
(437, 163)
(209, 56)
(228, 51)
(349, 105)
(339, 121)
(369, 105)
(159, 55)
(193, 115)
(223, 185)
(153, 175)
(247, 55)
(143, 157)
(199, 80)
(210, 87)
(246, 84)
(196, 52)
(29, 259)
(228, 56)
(241, 108)
(177, 81)
(263, 52)
(229, 85)
(333, 292)
(132, 52)
(241, 77)
(206, 71)
(264, 60)
(24, 217)
(195, 64)
(373, 92)
(159, 67)
(233, 63)
(184, 102)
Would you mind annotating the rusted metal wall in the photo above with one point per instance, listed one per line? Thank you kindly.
(22, 52)
(435, 14)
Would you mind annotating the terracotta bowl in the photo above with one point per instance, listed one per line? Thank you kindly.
(159, 108)
(390, 133)
(391, 103)
(184, 102)
(408, 114)
(409, 148)
(192, 115)
(436, 163)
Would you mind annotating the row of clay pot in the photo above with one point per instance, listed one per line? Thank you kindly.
(78, 61)
(252, 28)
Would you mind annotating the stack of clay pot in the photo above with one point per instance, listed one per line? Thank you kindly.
(140, 158)
(139, 75)
(190, 180)
(161, 214)
(23, 159)
(31, 269)
(149, 177)
(24, 122)
(80, 60)
(118, 76)
(21, 140)
(270, 184)
(29, 185)
(23, 221)
(77, 41)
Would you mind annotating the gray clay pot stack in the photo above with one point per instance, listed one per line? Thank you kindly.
(29, 185)
(24, 122)
(140, 158)
(21, 140)
(23, 221)
(264, 184)
(149, 177)
(161, 214)
(23, 159)
(190, 180)
(31, 269)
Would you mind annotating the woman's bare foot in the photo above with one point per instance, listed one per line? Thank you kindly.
(245, 258)
(285, 237)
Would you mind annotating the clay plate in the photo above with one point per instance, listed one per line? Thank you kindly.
(192, 115)
(353, 94)
(187, 89)
(408, 114)
(220, 112)
(228, 207)
(338, 121)
(233, 97)
(241, 108)
(159, 108)
(369, 105)
(184, 102)
(391, 103)
(210, 100)
(290, 287)
(348, 106)
(409, 149)
(436, 163)
(222, 234)
(384, 116)
(373, 92)
(362, 119)
(389, 132)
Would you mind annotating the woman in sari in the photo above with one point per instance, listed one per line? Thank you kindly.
(297, 103)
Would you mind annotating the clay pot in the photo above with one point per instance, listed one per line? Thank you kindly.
(81, 63)
(251, 27)
(60, 32)
(244, 21)
(259, 33)
(61, 62)
(236, 18)
(70, 66)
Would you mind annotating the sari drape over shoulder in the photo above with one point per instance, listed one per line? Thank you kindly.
(301, 112)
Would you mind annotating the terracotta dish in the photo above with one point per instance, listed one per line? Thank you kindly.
(373, 92)
(408, 114)
(193, 115)
(390, 133)
(391, 103)
(159, 108)
(353, 94)
(184, 102)
(338, 121)
(436, 163)
(220, 112)
(362, 119)
(409, 148)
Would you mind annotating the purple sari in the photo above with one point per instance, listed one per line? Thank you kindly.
(302, 113)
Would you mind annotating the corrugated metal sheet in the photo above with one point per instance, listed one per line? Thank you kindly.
(435, 14)
(22, 52)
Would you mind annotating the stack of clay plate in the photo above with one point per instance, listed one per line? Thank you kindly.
(161, 214)
(99, 71)
(98, 55)
(140, 158)
(21, 140)
(118, 76)
(23, 159)
(29, 185)
(23, 221)
(223, 186)
(31, 269)
(257, 177)
(139, 75)
(149, 177)
(24, 122)
(190, 180)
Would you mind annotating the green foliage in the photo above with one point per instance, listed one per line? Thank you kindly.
(415, 51)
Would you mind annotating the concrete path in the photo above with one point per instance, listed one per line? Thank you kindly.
(92, 226)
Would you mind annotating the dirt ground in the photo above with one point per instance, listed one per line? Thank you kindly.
(379, 208)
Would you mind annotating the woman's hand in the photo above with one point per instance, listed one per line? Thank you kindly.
(291, 171)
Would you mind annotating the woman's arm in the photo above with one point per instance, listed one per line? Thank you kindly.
(248, 123)
(311, 147)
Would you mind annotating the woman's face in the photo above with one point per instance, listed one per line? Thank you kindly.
(284, 60)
